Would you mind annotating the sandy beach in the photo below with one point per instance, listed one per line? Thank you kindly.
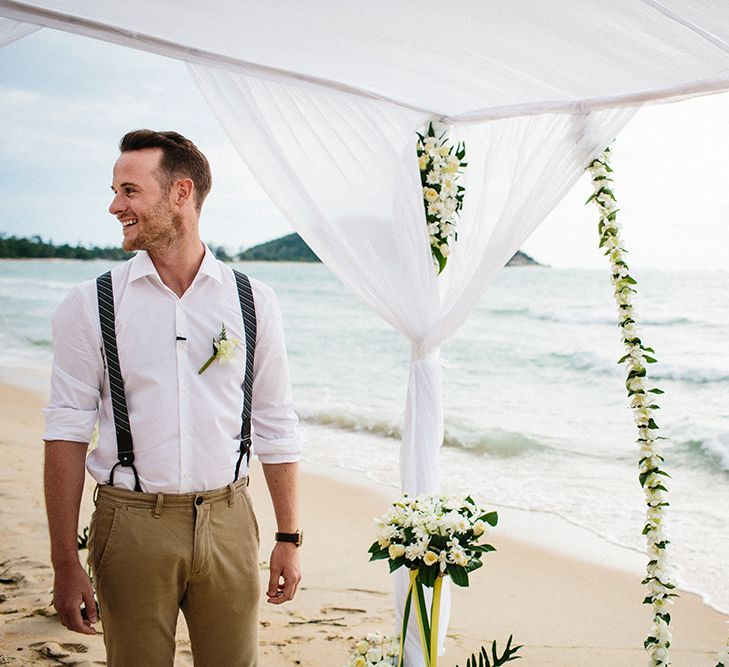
(567, 612)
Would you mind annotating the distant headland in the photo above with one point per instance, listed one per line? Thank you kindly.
(290, 248)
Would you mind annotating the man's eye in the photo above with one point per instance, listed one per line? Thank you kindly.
(129, 191)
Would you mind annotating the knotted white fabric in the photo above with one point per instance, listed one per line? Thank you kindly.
(343, 170)
(11, 31)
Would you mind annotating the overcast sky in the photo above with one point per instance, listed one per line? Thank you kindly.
(65, 101)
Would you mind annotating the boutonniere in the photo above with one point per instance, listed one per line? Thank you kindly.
(224, 350)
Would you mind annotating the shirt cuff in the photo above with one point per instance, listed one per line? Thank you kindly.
(69, 424)
(280, 450)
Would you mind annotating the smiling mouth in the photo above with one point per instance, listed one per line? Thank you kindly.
(128, 223)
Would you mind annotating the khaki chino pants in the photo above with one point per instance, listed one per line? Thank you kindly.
(155, 554)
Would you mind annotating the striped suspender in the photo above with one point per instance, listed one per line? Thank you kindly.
(125, 448)
(248, 310)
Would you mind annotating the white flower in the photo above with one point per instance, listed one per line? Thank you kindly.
(433, 177)
(431, 194)
(414, 551)
(362, 646)
(479, 528)
(458, 556)
(374, 655)
(445, 250)
(429, 144)
(435, 208)
(396, 551)
(430, 558)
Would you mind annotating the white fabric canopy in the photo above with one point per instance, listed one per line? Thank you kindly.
(466, 59)
(12, 30)
(323, 101)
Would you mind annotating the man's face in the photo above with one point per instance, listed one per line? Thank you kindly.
(140, 203)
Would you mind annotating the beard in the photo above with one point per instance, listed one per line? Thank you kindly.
(158, 230)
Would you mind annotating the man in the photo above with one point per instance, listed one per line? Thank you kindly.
(173, 528)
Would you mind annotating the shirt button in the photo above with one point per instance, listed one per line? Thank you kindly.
(188, 475)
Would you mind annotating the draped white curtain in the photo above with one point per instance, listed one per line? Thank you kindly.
(12, 30)
(343, 170)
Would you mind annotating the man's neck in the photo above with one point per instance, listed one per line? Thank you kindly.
(178, 265)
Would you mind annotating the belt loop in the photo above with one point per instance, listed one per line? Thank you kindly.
(248, 480)
(231, 494)
(158, 505)
(96, 495)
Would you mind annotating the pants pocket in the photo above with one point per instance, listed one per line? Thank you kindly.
(104, 524)
(248, 506)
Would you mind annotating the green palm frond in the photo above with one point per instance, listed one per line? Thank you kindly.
(481, 659)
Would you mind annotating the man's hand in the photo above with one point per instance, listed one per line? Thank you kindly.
(285, 573)
(71, 588)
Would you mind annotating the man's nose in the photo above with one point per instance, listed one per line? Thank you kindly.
(115, 208)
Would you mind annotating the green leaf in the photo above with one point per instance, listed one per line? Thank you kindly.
(649, 360)
(491, 518)
(82, 539)
(428, 574)
(656, 390)
(473, 564)
(379, 555)
(652, 423)
(396, 564)
(458, 574)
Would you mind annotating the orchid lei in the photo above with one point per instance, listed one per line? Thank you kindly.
(441, 165)
(642, 401)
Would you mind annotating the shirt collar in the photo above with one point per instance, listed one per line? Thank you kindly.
(142, 265)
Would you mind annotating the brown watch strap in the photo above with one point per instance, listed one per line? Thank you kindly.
(296, 538)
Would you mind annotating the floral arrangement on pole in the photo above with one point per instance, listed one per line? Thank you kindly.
(642, 402)
(433, 536)
(441, 165)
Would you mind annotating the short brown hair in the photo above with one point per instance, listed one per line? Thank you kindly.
(180, 159)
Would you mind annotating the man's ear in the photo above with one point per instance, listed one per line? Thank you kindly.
(182, 191)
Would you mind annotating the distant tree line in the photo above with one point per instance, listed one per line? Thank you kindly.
(17, 247)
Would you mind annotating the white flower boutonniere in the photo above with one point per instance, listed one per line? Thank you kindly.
(224, 350)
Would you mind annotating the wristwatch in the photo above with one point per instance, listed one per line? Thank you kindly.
(296, 538)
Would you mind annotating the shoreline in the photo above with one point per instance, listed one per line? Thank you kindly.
(568, 611)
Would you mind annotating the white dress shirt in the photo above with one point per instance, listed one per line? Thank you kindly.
(185, 426)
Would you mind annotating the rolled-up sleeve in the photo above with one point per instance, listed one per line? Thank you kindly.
(276, 436)
(78, 370)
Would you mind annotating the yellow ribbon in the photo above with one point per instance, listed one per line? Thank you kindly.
(434, 617)
(423, 638)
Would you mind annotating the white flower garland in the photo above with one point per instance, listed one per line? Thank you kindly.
(441, 165)
(642, 401)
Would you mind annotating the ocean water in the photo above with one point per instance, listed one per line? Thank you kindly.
(536, 413)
